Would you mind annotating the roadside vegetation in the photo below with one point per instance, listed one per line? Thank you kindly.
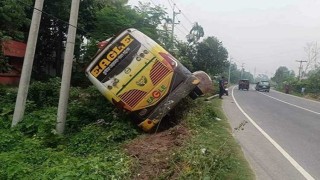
(100, 142)
(211, 152)
(307, 85)
(95, 146)
(91, 149)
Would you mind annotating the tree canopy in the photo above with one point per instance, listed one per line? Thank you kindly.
(211, 56)
(98, 20)
(282, 75)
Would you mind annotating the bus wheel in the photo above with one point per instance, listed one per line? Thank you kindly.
(193, 95)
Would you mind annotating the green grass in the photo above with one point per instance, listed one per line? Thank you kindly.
(212, 152)
(89, 150)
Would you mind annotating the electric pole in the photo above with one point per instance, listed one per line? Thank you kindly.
(173, 23)
(67, 67)
(229, 70)
(242, 69)
(300, 68)
(27, 64)
(254, 75)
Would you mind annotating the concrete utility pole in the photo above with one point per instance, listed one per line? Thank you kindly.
(300, 67)
(242, 69)
(67, 68)
(27, 64)
(173, 23)
(254, 75)
(229, 70)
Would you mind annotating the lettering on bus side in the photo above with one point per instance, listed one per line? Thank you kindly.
(156, 94)
(111, 55)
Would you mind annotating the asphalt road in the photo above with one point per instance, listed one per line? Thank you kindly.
(281, 138)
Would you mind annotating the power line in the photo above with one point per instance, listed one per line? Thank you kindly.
(300, 68)
(52, 16)
(183, 14)
(183, 26)
(187, 18)
(153, 3)
(182, 31)
(171, 5)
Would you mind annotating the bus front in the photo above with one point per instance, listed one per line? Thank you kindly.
(137, 75)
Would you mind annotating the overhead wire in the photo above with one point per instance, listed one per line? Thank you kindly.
(184, 15)
(182, 31)
(172, 7)
(181, 24)
(153, 3)
(52, 16)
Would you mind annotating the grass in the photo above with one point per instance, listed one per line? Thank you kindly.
(212, 152)
(311, 96)
(88, 150)
(93, 151)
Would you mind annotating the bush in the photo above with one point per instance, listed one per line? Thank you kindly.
(9, 139)
(90, 149)
(87, 106)
(95, 139)
(7, 102)
(45, 93)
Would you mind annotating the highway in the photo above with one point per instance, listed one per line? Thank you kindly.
(281, 139)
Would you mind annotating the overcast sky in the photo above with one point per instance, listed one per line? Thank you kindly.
(262, 34)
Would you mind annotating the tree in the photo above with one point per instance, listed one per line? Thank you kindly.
(234, 73)
(247, 75)
(112, 19)
(262, 77)
(53, 31)
(283, 74)
(211, 56)
(312, 50)
(195, 34)
(313, 82)
(187, 51)
(13, 25)
(149, 19)
(13, 19)
(185, 54)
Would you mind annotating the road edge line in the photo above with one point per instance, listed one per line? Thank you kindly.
(298, 97)
(274, 143)
(291, 104)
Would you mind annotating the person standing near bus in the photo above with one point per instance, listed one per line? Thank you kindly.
(221, 87)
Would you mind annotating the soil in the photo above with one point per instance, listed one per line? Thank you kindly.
(153, 151)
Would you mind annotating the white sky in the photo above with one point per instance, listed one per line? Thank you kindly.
(262, 34)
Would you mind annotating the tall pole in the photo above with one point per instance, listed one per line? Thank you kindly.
(229, 77)
(67, 68)
(254, 75)
(27, 64)
(242, 70)
(173, 23)
(300, 68)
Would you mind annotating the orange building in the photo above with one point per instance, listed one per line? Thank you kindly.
(14, 51)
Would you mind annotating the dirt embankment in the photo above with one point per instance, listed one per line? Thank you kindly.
(152, 152)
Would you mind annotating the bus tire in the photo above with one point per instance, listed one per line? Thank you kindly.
(193, 95)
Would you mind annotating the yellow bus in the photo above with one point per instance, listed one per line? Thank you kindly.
(139, 76)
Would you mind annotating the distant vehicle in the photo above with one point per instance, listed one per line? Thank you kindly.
(140, 77)
(243, 84)
(263, 86)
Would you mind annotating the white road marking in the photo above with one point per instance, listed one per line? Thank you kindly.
(274, 143)
(296, 96)
(291, 104)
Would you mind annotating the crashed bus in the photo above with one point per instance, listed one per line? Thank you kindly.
(140, 77)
